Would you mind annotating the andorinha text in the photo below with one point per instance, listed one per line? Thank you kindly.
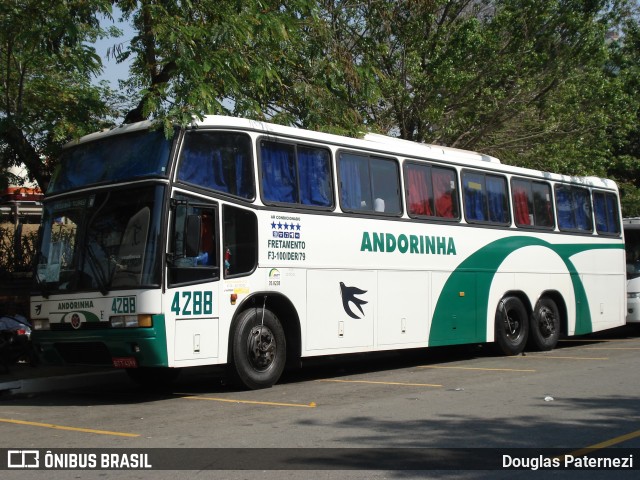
(416, 244)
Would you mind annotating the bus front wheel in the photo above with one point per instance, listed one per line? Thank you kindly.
(258, 349)
(511, 326)
(545, 325)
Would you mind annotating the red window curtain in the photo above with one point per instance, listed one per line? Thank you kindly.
(442, 191)
(521, 206)
(418, 192)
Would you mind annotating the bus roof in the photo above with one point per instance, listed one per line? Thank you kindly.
(369, 141)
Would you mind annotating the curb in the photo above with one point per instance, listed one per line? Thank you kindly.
(60, 383)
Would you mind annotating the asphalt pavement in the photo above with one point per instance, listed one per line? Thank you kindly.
(25, 379)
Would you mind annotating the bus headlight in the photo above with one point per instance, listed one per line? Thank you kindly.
(131, 321)
(41, 324)
(633, 295)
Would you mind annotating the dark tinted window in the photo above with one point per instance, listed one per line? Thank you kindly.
(573, 207)
(297, 174)
(431, 191)
(485, 198)
(219, 161)
(369, 184)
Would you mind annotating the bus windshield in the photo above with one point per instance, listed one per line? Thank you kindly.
(113, 158)
(101, 241)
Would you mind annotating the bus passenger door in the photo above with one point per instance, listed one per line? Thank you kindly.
(193, 273)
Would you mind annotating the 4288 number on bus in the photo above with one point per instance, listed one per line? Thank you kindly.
(192, 303)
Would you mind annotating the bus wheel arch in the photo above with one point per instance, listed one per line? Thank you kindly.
(264, 337)
(512, 324)
(548, 321)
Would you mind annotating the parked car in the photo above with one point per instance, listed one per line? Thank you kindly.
(15, 340)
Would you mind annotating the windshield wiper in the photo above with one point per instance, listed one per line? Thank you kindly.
(97, 270)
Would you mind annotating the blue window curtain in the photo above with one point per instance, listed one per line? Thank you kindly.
(564, 207)
(204, 168)
(606, 213)
(474, 197)
(279, 178)
(600, 212)
(582, 209)
(612, 211)
(497, 199)
(218, 161)
(354, 173)
(314, 171)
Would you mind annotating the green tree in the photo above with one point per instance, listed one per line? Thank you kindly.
(205, 57)
(625, 161)
(503, 76)
(46, 66)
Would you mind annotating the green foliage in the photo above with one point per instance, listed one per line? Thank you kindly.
(46, 67)
(537, 84)
(17, 248)
(197, 58)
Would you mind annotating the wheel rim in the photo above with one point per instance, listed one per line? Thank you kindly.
(261, 348)
(513, 326)
(546, 322)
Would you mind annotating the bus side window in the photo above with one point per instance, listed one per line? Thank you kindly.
(522, 203)
(485, 198)
(431, 191)
(573, 208)
(197, 261)
(444, 190)
(240, 241)
(220, 161)
(542, 204)
(605, 209)
(369, 184)
(475, 206)
(296, 174)
(419, 190)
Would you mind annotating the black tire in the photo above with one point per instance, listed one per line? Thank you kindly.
(156, 378)
(258, 349)
(545, 325)
(511, 326)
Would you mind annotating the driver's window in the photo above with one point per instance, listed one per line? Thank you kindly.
(194, 255)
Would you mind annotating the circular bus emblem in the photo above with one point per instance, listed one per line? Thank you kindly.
(75, 321)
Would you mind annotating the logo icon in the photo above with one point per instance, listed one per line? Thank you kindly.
(23, 459)
(349, 296)
(75, 321)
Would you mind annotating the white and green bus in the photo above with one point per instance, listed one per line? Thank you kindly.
(255, 245)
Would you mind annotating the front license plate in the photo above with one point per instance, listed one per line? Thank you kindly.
(124, 362)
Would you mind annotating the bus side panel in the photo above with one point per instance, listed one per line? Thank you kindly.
(602, 278)
(606, 305)
(455, 318)
(341, 310)
(404, 316)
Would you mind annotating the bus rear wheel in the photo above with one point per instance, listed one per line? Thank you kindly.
(511, 326)
(258, 349)
(545, 325)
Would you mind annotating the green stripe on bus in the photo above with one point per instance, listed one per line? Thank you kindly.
(455, 316)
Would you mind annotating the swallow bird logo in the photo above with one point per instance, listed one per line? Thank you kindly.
(349, 296)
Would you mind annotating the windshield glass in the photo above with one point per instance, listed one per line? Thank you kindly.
(114, 158)
(632, 248)
(101, 241)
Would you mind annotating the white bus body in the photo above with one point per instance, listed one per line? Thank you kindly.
(324, 260)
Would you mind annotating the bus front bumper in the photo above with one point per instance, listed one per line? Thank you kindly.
(117, 347)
